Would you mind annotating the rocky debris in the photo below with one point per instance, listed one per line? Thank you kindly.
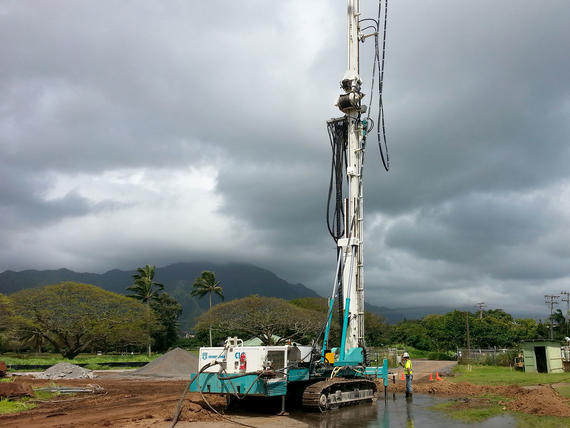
(176, 364)
(66, 371)
(15, 390)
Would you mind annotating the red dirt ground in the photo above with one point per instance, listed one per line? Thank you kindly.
(151, 403)
(126, 403)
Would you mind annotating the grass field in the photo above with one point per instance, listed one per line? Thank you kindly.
(91, 359)
(495, 375)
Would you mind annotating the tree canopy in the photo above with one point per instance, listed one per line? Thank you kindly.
(73, 317)
(6, 312)
(206, 284)
(145, 289)
(448, 332)
(167, 311)
(263, 317)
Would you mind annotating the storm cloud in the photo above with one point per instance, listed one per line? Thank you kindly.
(158, 132)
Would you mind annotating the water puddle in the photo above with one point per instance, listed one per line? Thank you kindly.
(396, 412)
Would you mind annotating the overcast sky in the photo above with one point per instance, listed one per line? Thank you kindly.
(143, 131)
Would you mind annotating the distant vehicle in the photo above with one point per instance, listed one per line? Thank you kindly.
(519, 362)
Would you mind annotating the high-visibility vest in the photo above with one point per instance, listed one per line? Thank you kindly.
(408, 367)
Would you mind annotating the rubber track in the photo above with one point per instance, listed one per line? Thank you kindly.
(313, 392)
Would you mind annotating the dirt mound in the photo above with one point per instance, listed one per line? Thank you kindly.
(177, 364)
(540, 401)
(66, 371)
(15, 389)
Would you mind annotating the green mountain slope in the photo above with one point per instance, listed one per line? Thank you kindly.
(238, 280)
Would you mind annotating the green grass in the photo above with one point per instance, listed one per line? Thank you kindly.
(46, 395)
(564, 390)
(495, 375)
(93, 361)
(533, 421)
(15, 406)
(81, 358)
(473, 410)
(23, 404)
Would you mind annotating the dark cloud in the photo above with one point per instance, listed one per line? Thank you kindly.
(172, 131)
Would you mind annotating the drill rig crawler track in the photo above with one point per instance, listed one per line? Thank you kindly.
(333, 393)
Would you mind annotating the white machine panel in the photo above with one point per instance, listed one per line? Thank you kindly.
(235, 358)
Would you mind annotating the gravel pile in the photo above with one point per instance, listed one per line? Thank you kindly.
(66, 371)
(176, 364)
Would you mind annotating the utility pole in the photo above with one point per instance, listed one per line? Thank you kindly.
(468, 340)
(481, 306)
(351, 243)
(567, 300)
(551, 299)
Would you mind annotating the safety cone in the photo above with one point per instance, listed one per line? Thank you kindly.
(403, 377)
(437, 376)
(431, 377)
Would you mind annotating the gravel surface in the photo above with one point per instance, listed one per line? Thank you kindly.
(66, 371)
(175, 364)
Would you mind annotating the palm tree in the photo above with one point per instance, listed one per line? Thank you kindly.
(33, 337)
(145, 290)
(206, 284)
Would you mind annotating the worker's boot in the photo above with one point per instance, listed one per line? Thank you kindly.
(407, 394)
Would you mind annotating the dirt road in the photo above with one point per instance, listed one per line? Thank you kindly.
(423, 368)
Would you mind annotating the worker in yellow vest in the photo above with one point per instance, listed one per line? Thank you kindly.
(406, 363)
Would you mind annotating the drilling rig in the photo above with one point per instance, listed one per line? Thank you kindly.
(325, 377)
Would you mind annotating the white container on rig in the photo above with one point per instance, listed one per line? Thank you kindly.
(235, 358)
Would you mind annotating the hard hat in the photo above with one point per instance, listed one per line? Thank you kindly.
(406, 355)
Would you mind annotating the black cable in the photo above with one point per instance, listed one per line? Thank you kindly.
(369, 19)
(386, 161)
(370, 26)
(338, 136)
(181, 400)
(379, 63)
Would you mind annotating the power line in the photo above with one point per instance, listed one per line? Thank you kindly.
(567, 300)
(551, 299)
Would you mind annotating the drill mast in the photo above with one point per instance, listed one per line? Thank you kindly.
(350, 245)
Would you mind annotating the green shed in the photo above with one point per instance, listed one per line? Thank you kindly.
(542, 357)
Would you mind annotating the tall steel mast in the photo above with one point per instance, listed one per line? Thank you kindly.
(350, 244)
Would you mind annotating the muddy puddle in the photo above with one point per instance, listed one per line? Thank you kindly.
(395, 412)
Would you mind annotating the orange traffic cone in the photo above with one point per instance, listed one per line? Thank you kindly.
(437, 376)
(431, 377)
(403, 377)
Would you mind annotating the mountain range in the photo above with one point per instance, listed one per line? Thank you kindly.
(237, 279)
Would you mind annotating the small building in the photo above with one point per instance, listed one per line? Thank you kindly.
(256, 341)
(542, 357)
